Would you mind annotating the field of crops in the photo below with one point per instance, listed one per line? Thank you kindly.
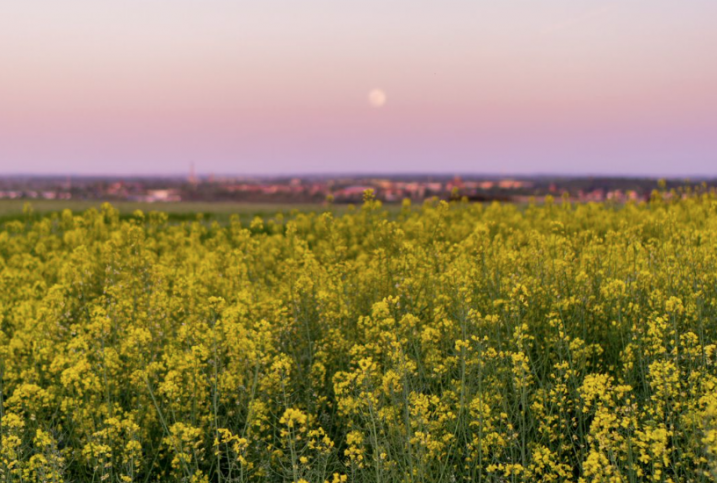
(450, 342)
(219, 211)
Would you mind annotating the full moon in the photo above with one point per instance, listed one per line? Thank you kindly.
(377, 98)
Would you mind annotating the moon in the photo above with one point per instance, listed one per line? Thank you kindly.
(377, 98)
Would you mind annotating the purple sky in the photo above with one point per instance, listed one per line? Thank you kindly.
(270, 87)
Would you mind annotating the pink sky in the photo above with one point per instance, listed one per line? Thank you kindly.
(271, 86)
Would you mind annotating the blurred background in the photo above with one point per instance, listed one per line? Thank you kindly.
(279, 100)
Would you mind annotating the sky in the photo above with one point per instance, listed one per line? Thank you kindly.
(615, 87)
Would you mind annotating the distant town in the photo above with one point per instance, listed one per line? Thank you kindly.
(338, 189)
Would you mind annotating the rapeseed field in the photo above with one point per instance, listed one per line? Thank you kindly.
(450, 342)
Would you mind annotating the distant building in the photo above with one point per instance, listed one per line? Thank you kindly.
(161, 195)
(192, 179)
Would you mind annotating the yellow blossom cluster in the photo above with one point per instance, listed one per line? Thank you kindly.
(451, 342)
